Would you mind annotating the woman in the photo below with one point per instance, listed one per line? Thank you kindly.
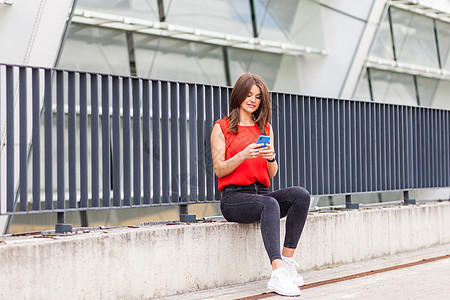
(244, 169)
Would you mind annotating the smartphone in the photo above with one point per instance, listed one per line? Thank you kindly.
(264, 140)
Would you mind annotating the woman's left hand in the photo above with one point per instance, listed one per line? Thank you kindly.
(266, 152)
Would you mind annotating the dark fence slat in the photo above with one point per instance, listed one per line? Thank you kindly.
(60, 176)
(106, 143)
(136, 142)
(282, 140)
(308, 156)
(201, 174)
(126, 141)
(174, 142)
(217, 100)
(314, 145)
(83, 142)
(146, 141)
(48, 124)
(326, 153)
(288, 146)
(165, 153)
(320, 147)
(10, 139)
(275, 127)
(23, 148)
(116, 144)
(208, 158)
(183, 144)
(36, 139)
(295, 151)
(302, 141)
(192, 142)
(71, 137)
(156, 143)
(95, 202)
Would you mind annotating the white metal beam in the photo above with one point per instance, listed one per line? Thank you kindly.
(190, 34)
(420, 8)
(405, 68)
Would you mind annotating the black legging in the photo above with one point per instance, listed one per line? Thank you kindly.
(253, 203)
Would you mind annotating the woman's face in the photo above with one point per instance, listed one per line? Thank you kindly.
(253, 100)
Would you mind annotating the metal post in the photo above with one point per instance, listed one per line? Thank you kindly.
(406, 199)
(349, 204)
(61, 227)
(184, 214)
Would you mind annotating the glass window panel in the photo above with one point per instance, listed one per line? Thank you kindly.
(357, 9)
(142, 9)
(290, 21)
(414, 38)
(173, 59)
(383, 44)
(443, 30)
(231, 16)
(94, 49)
(427, 89)
(288, 77)
(441, 96)
(393, 87)
(362, 91)
(263, 64)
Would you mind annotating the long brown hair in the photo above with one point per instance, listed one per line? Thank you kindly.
(240, 92)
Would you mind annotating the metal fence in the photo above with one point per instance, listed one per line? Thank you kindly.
(153, 147)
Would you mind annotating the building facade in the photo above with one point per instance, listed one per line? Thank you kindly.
(372, 50)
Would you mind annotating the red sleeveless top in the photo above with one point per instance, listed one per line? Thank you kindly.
(250, 170)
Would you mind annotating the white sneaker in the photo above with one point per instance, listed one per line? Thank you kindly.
(281, 283)
(291, 268)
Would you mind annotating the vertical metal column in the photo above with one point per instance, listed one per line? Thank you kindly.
(349, 204)
(406, 199)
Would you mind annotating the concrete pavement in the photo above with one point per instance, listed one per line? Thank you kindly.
(429, 280)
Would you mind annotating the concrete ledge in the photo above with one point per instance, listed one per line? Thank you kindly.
(156, 261)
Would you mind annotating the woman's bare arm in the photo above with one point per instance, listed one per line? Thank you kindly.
(224, 167)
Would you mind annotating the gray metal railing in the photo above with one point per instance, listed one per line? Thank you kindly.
(328, 146)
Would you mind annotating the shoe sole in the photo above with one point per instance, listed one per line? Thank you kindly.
(275, 289)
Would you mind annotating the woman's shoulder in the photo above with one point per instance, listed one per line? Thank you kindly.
(222, 122)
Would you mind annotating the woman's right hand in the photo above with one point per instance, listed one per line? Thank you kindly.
(250, 151)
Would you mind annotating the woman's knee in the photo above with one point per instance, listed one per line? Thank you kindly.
(300, 195)
(271, 204)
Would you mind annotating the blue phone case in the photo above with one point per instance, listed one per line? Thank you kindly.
(263, 139)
